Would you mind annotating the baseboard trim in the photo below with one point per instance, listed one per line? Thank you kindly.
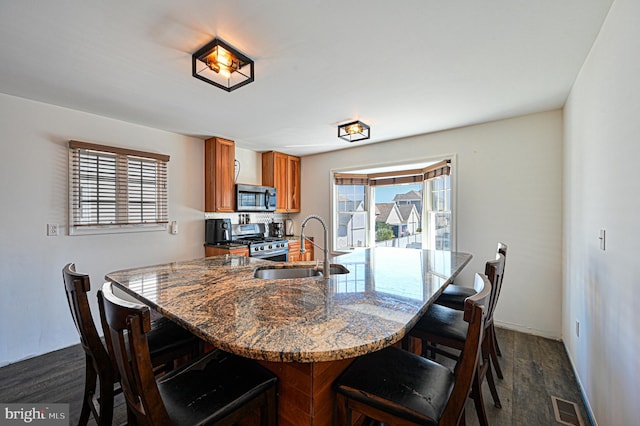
(527, 330)
(583, 394)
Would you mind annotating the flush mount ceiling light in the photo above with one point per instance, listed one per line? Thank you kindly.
(223, 66)
(353, 131)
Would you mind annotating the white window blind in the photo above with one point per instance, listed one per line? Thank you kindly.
(115, 187)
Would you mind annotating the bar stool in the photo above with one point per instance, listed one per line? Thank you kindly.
(442, 326)
(398, 387)
(167, 340)
(453, 297)
(217, 388)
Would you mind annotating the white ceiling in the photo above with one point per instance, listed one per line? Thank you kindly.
(405, 67)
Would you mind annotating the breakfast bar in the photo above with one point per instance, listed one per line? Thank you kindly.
(305, 330)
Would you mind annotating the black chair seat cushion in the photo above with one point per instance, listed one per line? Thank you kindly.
(454, 296)
(166, 336)
(399, 382)
(445, 322)
(211, 387)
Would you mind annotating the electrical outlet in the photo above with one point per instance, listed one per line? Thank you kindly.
(52, 229)
(577, 328)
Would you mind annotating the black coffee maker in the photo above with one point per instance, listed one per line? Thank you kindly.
(217, 230)
(276, 229)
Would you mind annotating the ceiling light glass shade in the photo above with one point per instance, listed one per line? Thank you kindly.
(223, 66)
(354, 131)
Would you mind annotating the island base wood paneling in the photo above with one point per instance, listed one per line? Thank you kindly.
(305, 391)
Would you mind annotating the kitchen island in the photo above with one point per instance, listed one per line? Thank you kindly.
(306, 330)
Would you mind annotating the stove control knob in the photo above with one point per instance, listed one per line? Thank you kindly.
(261, 247)
(255, 249)
(270, 246)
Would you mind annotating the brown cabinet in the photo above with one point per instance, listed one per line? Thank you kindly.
(282, 171)
(219, 182)
(294, 251)
(217, 251)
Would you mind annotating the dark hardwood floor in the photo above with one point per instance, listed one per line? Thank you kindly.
(534, 368)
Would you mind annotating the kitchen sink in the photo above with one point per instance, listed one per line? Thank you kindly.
(292, 272)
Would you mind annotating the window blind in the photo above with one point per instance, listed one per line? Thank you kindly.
(442, 168)
(116, 187)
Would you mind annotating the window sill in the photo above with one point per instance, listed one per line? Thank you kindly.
(115, 229)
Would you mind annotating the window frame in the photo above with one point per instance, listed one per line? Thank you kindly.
(336, 215)
(428, 210)
(124, 171)
(401, 166)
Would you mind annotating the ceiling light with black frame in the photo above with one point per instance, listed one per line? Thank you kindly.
(354, 131)
(223, 66)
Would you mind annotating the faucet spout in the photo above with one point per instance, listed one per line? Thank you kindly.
(325, 249)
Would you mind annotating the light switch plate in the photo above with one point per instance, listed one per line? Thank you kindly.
(603, 239)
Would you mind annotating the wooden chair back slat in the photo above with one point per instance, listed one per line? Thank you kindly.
(475, 313)
(126, 326)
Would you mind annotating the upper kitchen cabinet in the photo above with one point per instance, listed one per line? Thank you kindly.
(282, 171)
(219, 182)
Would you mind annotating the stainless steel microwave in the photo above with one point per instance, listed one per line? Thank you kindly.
(254, 198)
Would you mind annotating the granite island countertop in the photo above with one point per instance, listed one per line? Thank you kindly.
(305, 319)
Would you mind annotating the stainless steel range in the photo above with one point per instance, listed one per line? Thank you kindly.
(260, 246)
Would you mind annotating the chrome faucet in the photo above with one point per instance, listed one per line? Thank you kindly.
(326, 267)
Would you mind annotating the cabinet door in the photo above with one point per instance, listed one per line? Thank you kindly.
(218, 251)
(293, 184)
(219, 175)
(282, 171)
(294, 251)
(309, 253)
(280, 180)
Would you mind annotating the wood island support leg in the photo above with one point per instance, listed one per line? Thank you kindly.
(305, 391)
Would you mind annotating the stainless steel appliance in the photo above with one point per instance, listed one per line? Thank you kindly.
(260, 246)
(253, 198)
(217, 230)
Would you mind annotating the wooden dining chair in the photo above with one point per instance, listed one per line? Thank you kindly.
(453, 296)
(442, 328)
(218, 388)
(401, 388)
(168, 342)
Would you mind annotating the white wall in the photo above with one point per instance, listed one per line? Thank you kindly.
(602, 190)
(34, 316)
(509, 188)
(250, 163)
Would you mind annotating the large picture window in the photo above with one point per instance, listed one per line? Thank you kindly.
(384, 207)
(116, 189)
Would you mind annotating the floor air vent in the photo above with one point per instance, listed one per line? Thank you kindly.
(566, 412)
